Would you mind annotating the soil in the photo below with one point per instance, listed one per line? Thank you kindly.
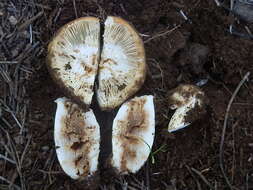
(177, 51)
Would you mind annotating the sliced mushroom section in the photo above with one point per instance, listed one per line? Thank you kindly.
(73, 57)
(77, 139)
(122, 68)
(189, 102)
(133, 134)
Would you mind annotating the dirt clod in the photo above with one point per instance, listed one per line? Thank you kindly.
(194, 56)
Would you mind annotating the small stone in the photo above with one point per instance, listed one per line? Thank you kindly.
(195, 56)
(13, 20)
(1, 13)
(45, 148)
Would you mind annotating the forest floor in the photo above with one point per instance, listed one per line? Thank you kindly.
(178, 51)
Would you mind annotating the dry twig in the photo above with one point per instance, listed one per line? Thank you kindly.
(233, 145)
(9, 182)
(29, 21)
(74, 5)
(224, 129)
(167, 32)
(194, 177)
(203, 178)
(7, 159)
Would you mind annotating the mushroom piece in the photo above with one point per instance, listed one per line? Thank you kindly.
(73, 58)
(122, 68)
(133, 134)
(189, 102)
(77, 139)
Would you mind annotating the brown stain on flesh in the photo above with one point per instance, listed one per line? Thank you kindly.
(61, 43)
(186, 92)
(74, 122)
(127, 156)
(135, 123)
(109, 61)
(89, 70)
(94, 60)
(66, 90)
(63, 55)
(82, 163)
(78, 159)
(77, 145)
(137, 116)
(78, 134)
(105, 64)
(129, 82)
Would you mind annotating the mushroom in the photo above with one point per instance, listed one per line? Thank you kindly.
(77, 139)
(133, 134)
(73, 57)
(189, 102)
(122, 68)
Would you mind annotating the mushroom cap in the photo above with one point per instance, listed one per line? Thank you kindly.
(77, 139)
(189, 102)
(73, 58)
(122, 67)
(133, 134)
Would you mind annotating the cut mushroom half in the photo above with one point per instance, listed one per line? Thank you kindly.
(77, 139)
(73, 57)
(133, 134)
(122, 68)
(189, 102)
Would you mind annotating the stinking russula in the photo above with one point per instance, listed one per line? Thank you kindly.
(75, 59)
(189, 101)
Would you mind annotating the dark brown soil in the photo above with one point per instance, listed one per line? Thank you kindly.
(199, 49)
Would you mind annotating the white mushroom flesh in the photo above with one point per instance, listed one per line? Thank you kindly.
(133, 134)
(122, 68)
(73, 57)
(77, 139)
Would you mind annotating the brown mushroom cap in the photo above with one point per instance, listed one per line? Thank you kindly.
(77, 139)
(122, 68)
(73, 57)
(133, 134)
